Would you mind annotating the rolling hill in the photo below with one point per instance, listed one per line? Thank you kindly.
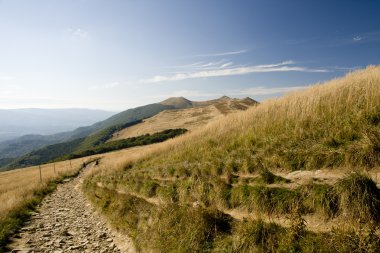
(25, 144)
(84, 139)
(195, 115)
(239, 185)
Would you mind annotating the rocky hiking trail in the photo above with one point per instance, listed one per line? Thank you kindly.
(66, 222)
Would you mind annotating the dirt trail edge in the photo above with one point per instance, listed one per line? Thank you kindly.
(66, 222)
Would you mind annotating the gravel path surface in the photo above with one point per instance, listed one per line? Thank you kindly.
(66, 222)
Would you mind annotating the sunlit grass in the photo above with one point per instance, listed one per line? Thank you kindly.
(22, 189)
(234, 163)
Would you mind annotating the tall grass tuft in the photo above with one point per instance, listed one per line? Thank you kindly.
(359, 198)
(230, 164)
(184, 229)
(256, 236)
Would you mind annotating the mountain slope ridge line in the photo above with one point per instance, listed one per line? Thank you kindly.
(330, 126)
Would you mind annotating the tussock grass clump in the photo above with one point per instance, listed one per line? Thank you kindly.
(242, 196)
(127, 213)
(168, 193)
(328, 125)
(256, 236)
(263, 199)
(184, 229)
(269, 178)
(276, 200)
(320, 198)
(359, 198)
(149, 188)
(331, 125)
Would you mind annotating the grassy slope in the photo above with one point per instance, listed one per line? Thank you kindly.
(190, 118)
(141, 140)
(336, 124)
(127, 120)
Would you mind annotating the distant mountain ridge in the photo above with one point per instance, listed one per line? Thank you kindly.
(178, 102)
(25, 144)
(192, 115)
(34, 121)
(37, 149)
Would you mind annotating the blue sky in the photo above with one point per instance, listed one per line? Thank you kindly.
(117, 54)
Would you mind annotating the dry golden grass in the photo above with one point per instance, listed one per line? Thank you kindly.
(303, 124)
(331, 127)
(189, 118)
(18, 186)
(119, 159)
(335, 124)
(322, 107)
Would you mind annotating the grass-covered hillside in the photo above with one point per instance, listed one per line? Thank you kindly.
(37, 149)
(191, 118)
(170, 114)
(294, 174)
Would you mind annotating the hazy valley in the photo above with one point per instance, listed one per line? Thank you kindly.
(46, 121)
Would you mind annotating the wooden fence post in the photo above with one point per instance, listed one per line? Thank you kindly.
(71, 167)
(54, 167)
(39, 166)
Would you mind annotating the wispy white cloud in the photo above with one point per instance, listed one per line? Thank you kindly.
(205, 65)
(222, 53)
(359, 38)
(77, 33)
(227, 64)
(252, 91)
(366, 37)
(184, 93)
(228, 70)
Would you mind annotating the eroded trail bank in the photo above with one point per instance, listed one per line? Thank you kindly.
(66, 222)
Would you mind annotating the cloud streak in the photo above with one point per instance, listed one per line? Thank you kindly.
(227, 69)
(222, 53)
(252, 91)
(77, 33)
(206, 65)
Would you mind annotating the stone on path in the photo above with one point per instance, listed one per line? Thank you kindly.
(65, 222)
